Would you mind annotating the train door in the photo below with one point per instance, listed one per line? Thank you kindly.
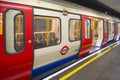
(86, 35)
(116, 30)
(111, 31)
(100, 33)
(52, 47)
(16, 51)
(105, 32)
(95, 34)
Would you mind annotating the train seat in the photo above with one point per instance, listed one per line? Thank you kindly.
(53, 39)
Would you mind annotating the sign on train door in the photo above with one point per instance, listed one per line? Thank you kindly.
(15, 41)
(86, 35)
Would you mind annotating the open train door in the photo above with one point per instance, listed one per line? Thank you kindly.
(105, 32)
(96, 34)
(86, 35)
(16, 51)
(111, 32)
(118, 37)
(116, 31)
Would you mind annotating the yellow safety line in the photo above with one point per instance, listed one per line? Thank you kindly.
(85, 64)
(115, 45)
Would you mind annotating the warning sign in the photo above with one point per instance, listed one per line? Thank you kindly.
(1, 23)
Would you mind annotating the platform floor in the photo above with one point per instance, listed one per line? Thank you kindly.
(103, 66)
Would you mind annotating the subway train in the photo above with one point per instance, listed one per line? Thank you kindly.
(39, 35)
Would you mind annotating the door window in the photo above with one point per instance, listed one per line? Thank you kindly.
(87, 28)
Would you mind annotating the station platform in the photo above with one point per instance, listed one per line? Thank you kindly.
(101, 65)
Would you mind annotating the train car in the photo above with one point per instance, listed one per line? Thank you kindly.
(113, 31)
(116, 31)
(118, 36)
(39, 35)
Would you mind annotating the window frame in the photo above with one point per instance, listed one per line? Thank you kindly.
(69, 29)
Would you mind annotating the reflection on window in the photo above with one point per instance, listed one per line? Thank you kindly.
(14, 31)
(74, 30)
(46, 31)
(87, 28)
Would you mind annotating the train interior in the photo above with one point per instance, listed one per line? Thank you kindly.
(96, 34)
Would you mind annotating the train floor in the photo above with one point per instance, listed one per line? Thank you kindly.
(104, 65)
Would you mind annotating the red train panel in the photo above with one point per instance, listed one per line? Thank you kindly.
(16, 65)
(86, 35)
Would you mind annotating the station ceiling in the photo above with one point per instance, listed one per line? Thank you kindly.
(111, 7)
(114, 4)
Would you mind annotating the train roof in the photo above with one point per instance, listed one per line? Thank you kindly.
(64, 5)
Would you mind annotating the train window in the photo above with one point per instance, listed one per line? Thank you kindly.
(109, 28)
(116, 27)
(19, 32)
(112, 29)
(105, 27)
(46, 31)
(14, 31)
(119, 28)
(74, 30)
(87, 28)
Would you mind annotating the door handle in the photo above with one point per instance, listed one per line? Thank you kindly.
(29, 41)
